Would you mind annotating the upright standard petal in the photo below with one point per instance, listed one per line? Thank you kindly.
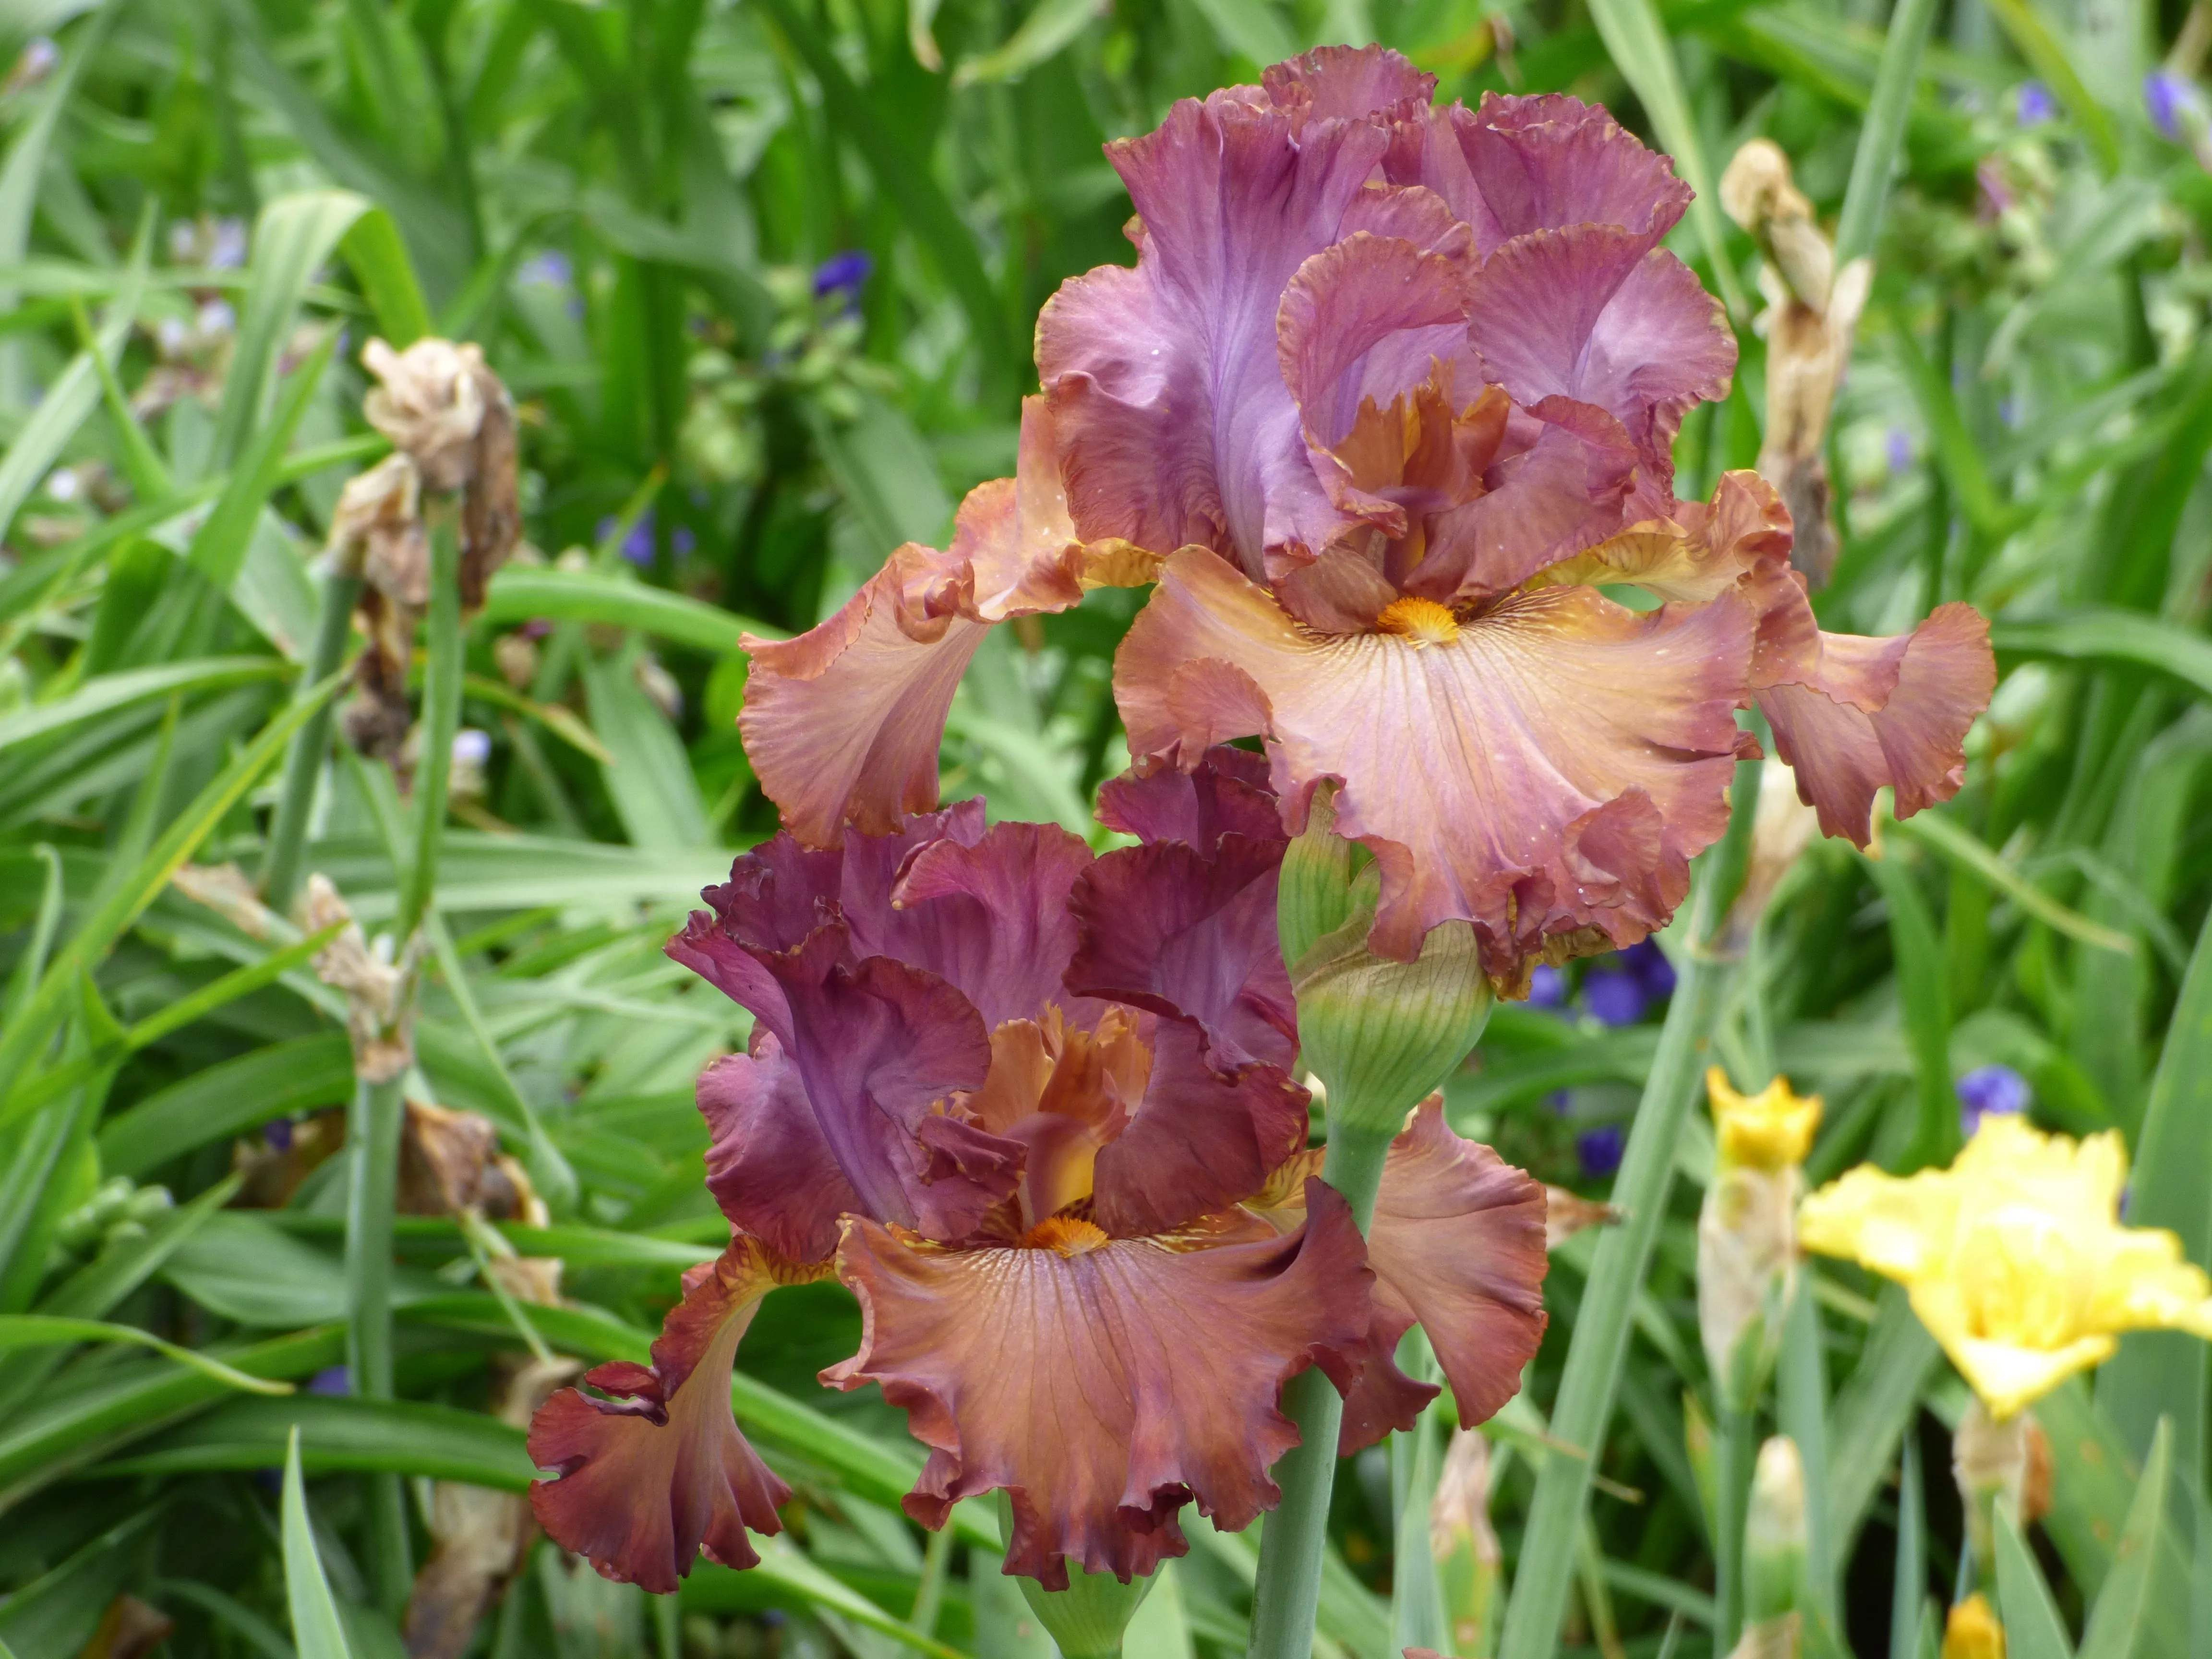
(1102, 1383)
(648, 1479)
(1548, 767)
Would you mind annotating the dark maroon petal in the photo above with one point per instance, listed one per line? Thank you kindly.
(991, 919)
(1202, 1139)
(1166, 928)
(1103, 1383)
(1226, 793)
(645, 1483)
(768, 1164)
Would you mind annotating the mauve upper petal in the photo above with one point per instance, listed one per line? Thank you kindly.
(1332, 83)
(993, 918)
(1551, 769)
(769, 1165)
(1168, 928)
(644, 1486)
(1226, 793)
(1103, 1390)
(1203, 1138)
(1173, 423)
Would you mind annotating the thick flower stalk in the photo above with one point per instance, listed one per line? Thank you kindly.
(1033, 1108)
(1387, 398)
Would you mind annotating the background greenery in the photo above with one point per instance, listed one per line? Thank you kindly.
(762, 276)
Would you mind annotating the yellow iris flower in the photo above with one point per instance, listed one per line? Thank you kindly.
(2015, 1256)
(1769, 1130)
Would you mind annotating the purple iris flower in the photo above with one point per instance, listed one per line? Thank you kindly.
(2033, 104)
(1988, 1090)
(1599, 1149)
(1649, 964)
(2167, 96)
(551, 268)
(1614, 998)
(1547, 987)
(843, 274)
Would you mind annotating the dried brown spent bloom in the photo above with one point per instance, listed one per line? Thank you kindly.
(378, 1020)
(224, 889)
(377, 531)
(1812, 313)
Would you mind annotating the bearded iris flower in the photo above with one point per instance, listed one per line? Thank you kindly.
(2015, 1256)
(1386, 403)
(1033, 1108)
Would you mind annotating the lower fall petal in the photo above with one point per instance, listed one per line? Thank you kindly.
(769, 1165)
(1105, 1387)
(1876, 714)
(645, 1485)
(1545, 768)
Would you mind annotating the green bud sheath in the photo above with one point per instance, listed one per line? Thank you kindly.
(1087, 1617)
(1774, 1535)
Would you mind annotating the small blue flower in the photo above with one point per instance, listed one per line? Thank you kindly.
(2033, 104)
(2169, 97)
(471, 747)
(637, 546)
(227, 245)
(1899, 448)
(331, 1379)
(1560, 1102)
(683, 540)
(550, 268)
(279, 1135)
(1652, 969)
(2008, 411)
(1599, 1149)
(1612, 998)
(1991, 1090)
(843, 273)
(1547, 987)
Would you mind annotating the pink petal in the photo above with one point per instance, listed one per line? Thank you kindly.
(1105, 1388)
(1552, 769)
(769, 1165)
(645, 1486)
(1173, 422)
(994, 919)
(844, 722)
(1226, 794)
(1884, 712)
(1334, 83)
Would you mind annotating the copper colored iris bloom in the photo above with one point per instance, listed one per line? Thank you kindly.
(1031, 1106)
(1387, 398)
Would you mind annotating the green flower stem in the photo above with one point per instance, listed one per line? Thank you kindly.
(1735, 1453)
(1584, 1406)
(378, 1108)
(1288, 1590)
(303, 761)
(441, 718)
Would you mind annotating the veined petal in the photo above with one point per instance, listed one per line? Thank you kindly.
(1457, 1244)
(878, 1048)
(1514, 164)
(1870, 714)
(1226, 794)
(1105, 1386)
(1698, 553)
(1550, 768)
(769, 1165)
(1173, 423)
(1595, 314)
(645, 1484)
(844, 722)
(1168, 928)
(1335, 83)
(1204, 1137)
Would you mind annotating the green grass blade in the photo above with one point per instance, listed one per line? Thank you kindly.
(1637, 39)
(1908, 1593)
(2116, 1624)
(2164, 1373)
(1252, 28)
(26, 1037)
(2053, 60)
(1874, 1411)
(520, 594)
(316, 1627)
(219, 550)
(372, 247)
(2033, 1628)
(226, 1099)
(108, 693)
(2112, 637)
(68, 403)
(45, 1330)
(1050, 25)
(1923, 994)
(1881, 137)
(292, 238)
(1964, 852)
